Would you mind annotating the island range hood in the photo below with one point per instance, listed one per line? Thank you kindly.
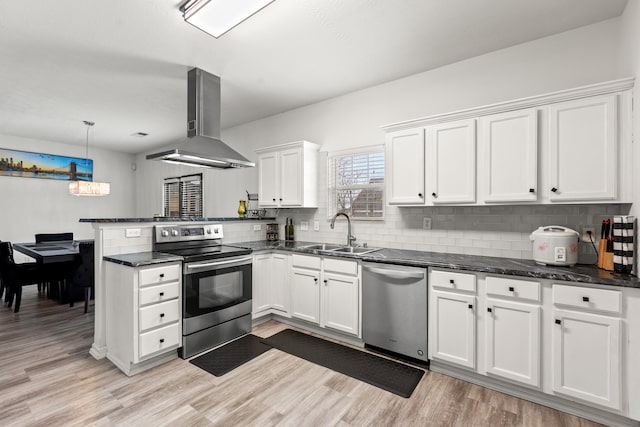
(202, 147)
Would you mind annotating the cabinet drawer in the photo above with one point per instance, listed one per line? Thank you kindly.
(513, 288)
(588, 298)
(158, 340)
(306, 261)
(160, 293)
(167, 273)
(159, 314)
(341, 266)
(453, 281)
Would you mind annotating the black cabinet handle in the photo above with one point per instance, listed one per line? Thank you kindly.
(420, 195)
(161, 314)
(325, 281)
(280, 198)
(489, 309)
(585, 299)
(554, 189)
(452, 281)
(434, 194)
(161, 294)
(274, 199)
(558, 321)
(511, 289)
(470, 305)
(315, 279)
(161, 275)
(531, 190)
(161, 340)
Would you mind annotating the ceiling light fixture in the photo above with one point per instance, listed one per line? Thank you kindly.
(216, 17)
(88, 188)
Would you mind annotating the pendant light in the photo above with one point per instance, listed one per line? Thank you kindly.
(89, 188)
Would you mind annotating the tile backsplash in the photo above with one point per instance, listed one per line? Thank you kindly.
(500, 231)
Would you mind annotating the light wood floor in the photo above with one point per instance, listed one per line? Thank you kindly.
(48, 378)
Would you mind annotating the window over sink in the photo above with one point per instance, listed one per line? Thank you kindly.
(183, 196)
(356, 183)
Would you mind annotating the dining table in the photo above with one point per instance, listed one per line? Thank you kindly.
(50, 252)
(62, 252)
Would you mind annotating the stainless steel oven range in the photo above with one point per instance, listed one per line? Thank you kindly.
(216, 284)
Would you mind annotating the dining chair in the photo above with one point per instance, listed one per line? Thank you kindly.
(83, 276)
(57, 273)
(15, 276)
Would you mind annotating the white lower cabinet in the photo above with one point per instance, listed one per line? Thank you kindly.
(539, 338)
(143, 311)
(270, 290)
(586, 347)
(453, 328)
(305, 294)
(513, 341)
(326, 292)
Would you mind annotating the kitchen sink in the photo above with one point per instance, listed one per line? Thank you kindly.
(358, 251)
(322, 247)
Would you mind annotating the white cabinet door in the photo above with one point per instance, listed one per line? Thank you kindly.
(583, 149)
(340, 302)
(268, 180)
(405, 167)
(586, 357)
(509, 152)
(261, 273)
(452, 327)
(291, 177)
(305, 294)
(513, 341)
(451, 162)
(280, 290)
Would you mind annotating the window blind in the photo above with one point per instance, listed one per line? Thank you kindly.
(183, 196)
(356, 183)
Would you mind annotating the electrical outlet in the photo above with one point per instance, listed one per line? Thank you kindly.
(304, 225)
(316, 225)
(426, 223)
(257, 227)
(585, 234)
(133, 232)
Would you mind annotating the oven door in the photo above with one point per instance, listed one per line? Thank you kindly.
(216, 291)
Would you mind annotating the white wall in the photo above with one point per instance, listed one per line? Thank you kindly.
(583, 56)
(31, 205)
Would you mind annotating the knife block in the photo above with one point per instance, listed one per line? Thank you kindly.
(608, 261)
(602, 252)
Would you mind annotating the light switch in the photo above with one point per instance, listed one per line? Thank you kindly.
(304, 225)
(257, 227)
(316, 225)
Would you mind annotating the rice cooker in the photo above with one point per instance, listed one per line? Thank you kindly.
(555, 245)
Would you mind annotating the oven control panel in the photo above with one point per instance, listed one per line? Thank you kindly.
(187, 232)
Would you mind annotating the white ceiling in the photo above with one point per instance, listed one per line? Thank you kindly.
(123, 63)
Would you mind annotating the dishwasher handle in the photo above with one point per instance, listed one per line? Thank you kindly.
(395, 274)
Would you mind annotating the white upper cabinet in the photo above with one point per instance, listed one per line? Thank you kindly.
(405, 167)
(571, 146)
(288, 175)
(583, 149)
(451, 162)
(508, 160)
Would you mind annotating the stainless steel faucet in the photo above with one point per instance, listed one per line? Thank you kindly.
(350, 237)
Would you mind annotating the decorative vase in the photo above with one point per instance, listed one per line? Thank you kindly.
(242, 209)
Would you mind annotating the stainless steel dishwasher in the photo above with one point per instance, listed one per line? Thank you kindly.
(394, 308)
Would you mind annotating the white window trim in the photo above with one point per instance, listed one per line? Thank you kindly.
(331, 211)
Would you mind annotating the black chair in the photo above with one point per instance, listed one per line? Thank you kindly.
(15, 276)
(53, 237)
(57, 272)
(83, 276)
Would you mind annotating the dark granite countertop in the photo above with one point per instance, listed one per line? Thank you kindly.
(175, 219)
(495, 265)
(141, 259)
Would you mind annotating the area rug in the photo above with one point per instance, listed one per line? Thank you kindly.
(386, 374)
(228, 357)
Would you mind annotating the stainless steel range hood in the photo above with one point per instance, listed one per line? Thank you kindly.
(202, 147)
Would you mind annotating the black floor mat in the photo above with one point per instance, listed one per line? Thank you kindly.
(383, 373)
(228, 357)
